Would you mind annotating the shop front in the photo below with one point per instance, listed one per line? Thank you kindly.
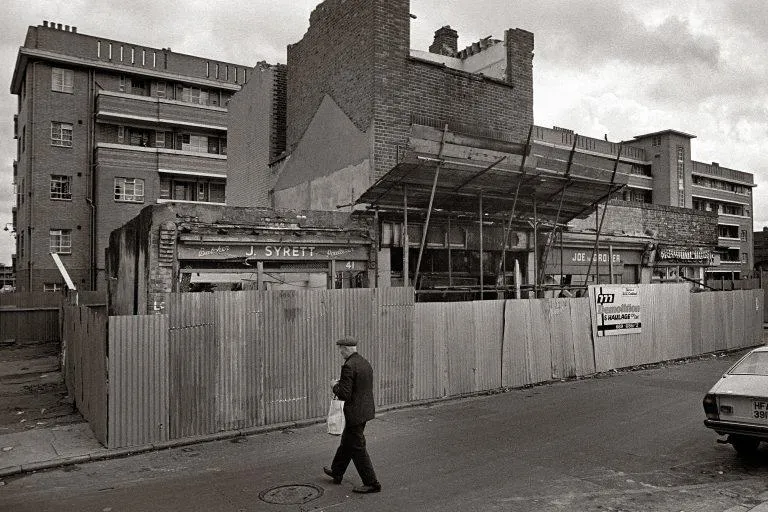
(573, 268)
(272, 266)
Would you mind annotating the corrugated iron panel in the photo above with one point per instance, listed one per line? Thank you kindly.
(321, 355)
(285, 363)
(353, 312)
(489, 331)
(238, 319)
(561, 338)
(193, 363)
(540, 343)
(518, 337)
(393, 313)
(430, 366)
(139, 383)
(581, 326)
(85, 374)
(738, 312)
(460, 337)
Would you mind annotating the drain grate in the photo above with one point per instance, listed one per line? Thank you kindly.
(294, 494)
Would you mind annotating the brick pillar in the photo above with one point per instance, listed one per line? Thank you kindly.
(520, 69)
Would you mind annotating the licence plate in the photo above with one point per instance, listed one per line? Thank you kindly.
(760, 410)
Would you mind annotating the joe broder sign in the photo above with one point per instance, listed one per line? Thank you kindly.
(617, 309)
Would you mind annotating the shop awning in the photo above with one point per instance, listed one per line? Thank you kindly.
(561, 184)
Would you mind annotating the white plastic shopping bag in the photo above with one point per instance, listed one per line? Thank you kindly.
(336, 417)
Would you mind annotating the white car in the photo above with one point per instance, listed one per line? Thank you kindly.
(737, 405)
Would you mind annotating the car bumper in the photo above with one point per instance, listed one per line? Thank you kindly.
(731, 427)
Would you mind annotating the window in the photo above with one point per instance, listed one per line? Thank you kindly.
(190, 189)
(129, 190)
(744, 234)
(53, 287)
(726, 231)
(159, 139)
(194, 95)
(61, 134)
(61, 186)
(121, 134)
(62, 80)
(196, 143)
(60, 241)
(160, 91)
(744, 257)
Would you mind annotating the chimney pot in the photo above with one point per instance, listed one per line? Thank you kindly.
(66, 27)
(74, 30)
(45, 23)
(58, 26)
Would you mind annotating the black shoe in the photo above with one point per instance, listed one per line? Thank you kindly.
(365, 489)
(336, 479)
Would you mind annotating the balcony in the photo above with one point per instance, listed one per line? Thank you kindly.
(715, 171)
(121, 107)
(161, 160)
(603, 147)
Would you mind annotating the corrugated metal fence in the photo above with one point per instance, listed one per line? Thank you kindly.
(85, 358)
(231, 360)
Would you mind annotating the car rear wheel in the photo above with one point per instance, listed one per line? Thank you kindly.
(744, 445)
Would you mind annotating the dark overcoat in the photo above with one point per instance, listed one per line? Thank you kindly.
(355, 387)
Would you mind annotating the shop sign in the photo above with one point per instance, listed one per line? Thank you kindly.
(272, 252)
(577, 257)
(616, 308)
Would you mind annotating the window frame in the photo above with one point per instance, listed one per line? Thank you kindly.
(61, 187)
(60, 241)
(121, 187)
(58, 134)
(53, 287)
(66, 80)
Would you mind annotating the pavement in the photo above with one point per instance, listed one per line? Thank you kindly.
(30, 444)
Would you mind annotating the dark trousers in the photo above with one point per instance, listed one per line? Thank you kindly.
(352, 447)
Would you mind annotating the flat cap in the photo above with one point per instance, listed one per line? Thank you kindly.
(347, 342)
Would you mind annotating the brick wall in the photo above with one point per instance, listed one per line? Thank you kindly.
(358, 52)
(42, 212)
(335, 57)
(251, 139)
(668, 224)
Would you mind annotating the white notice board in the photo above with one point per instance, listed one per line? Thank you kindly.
(616, 308)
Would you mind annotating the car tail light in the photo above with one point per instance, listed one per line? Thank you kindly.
(710, 407)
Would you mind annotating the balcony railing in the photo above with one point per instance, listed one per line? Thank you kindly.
(723, 173)
(161, 160)
(118, 106)
(565, 138)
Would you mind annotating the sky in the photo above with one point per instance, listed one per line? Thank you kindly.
(601, 67)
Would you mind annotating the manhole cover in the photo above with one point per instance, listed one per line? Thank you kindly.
(295, 494)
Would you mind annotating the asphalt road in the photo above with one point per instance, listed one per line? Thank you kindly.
(630, 441)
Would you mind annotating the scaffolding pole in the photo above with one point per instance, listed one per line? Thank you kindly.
(599, 226)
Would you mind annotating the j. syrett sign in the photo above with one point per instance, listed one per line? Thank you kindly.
(271, 252)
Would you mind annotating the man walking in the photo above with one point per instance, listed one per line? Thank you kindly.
(355, 387)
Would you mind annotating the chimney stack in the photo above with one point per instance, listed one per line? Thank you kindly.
(446, 42)
(45, 23)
